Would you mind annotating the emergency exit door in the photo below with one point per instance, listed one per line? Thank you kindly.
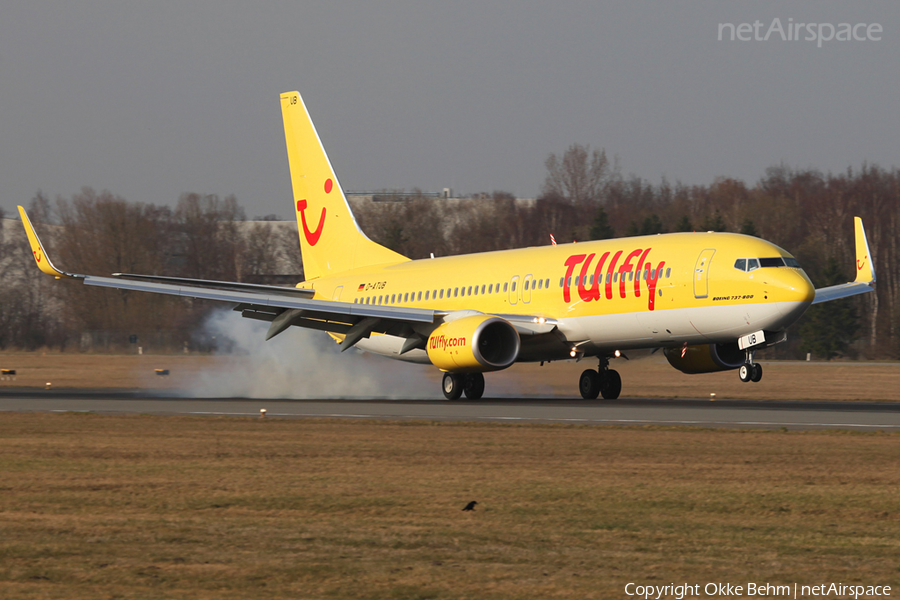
(701, 273)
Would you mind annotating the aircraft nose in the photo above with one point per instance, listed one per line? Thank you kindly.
(795, 286)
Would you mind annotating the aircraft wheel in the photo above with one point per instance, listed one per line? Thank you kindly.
(474, 386)
(755, 372)
(452, 386)
(589, 384)
(611, 385)
(745, 371)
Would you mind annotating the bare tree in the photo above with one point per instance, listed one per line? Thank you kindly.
(580, 176)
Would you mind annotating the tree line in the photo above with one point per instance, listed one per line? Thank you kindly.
(204, 237)
(585, 196)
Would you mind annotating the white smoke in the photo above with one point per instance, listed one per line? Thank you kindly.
(301, 363)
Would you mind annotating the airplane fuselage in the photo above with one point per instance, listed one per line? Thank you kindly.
(639, 292)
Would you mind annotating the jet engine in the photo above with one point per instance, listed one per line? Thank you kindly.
(706, 358)
(477, 343)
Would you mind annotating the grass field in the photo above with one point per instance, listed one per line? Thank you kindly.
(644, 377)
(175, 507)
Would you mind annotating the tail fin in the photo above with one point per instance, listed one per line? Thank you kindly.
(330, 239)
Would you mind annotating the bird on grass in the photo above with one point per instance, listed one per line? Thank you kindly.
(470, 505)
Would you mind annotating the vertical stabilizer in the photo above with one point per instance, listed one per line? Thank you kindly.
(330, 240)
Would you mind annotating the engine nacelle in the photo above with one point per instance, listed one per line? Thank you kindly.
(706, 358)
(477, 343)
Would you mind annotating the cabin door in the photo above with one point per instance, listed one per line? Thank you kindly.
(701, 273)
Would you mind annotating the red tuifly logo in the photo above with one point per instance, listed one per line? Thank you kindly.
(862, 263)
(38, 255)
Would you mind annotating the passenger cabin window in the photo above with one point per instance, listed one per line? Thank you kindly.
(491, 289)
(505, 287)
(668, 272)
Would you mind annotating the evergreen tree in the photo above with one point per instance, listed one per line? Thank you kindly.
(684, 224)
(652, 225)
(601, 229)
(632, 230)
(715, 222)
(828, 329)
(748, 228)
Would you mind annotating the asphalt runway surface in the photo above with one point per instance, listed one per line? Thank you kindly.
(854, 416)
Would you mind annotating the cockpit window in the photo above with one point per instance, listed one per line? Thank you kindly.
(751, 264)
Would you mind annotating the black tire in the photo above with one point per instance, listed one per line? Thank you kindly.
(756, 372)
(744, 372)
(452, 386)
(589, 384)
(611, 385)
(474, 386)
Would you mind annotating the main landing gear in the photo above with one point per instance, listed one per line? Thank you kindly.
(455, 384)
(750, 371)
(604, 381)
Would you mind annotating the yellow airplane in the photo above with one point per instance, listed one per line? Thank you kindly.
(709, 300)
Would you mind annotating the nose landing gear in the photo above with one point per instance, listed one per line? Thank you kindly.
(750, 371)
(604, 381)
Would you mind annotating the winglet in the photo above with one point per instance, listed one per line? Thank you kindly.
(865, 269)
(40, 256)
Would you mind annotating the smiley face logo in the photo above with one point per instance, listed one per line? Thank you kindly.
(312, 236)
(38, 255)
(862, 263)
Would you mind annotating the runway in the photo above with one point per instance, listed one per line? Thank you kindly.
(856, 416)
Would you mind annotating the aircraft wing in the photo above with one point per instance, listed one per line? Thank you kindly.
(282, 306)
(865, 271)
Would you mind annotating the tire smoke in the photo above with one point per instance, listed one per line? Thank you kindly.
(301, 363)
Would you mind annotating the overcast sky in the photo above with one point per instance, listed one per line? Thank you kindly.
(150, 100)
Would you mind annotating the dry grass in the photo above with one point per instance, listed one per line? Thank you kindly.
(645, 377)
(176, 507)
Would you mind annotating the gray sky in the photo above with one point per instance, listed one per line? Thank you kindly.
(153, 99)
